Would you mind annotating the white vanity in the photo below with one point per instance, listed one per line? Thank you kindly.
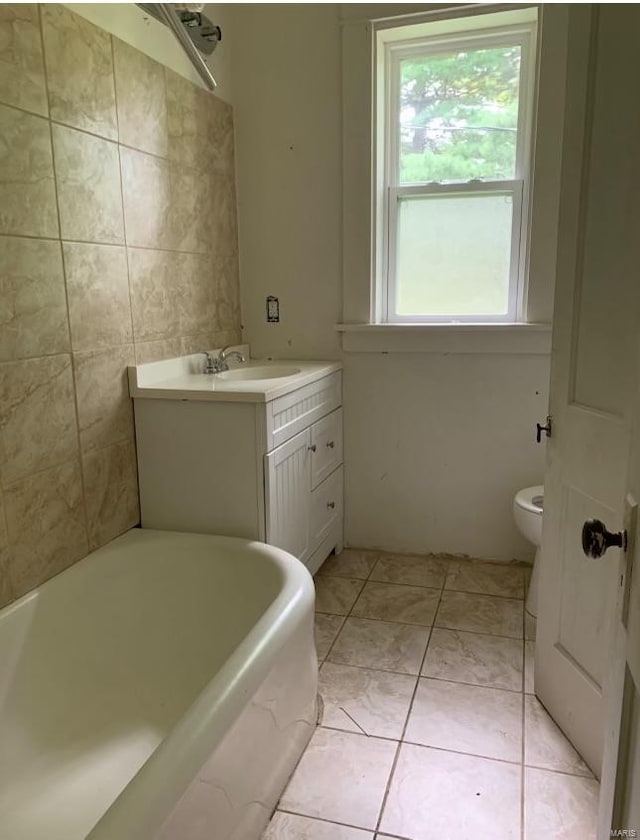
(252, 452)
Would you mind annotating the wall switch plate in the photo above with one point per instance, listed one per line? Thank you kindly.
(273, 309)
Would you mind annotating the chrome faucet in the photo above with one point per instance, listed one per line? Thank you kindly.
(219, 363)
(227, 353)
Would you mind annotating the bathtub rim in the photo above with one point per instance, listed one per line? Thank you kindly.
(135, 812)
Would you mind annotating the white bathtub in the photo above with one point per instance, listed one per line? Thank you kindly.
(162, 688)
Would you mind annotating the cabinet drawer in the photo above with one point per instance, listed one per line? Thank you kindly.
(326, 507)
(326, 446)
(288, 415)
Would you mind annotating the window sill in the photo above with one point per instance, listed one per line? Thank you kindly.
(518, 338)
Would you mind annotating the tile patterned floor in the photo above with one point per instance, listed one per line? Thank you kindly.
(430, 729)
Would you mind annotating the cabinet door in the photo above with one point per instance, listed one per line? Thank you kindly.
(288, 495)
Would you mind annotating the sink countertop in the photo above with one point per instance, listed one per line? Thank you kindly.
(181, 379)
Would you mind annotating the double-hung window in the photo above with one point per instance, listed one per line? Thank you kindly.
(453, 148)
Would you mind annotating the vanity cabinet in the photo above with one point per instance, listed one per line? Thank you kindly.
(270, 471)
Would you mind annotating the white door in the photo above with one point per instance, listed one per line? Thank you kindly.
(620, 788)
(595, 318)
(288, 495)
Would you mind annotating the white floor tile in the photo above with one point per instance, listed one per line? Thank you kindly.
(559, 806)
(380, 644)
(529, 654)
(474, 658)
(486, 578)
(336, 595)
(437, 795)
(393, 602)
(341, 777)
(463, 782)
(364, 700)
(480, 614)
(327, 628)
(416, 570)
(467, 718)
(544, 743)
(351, 563)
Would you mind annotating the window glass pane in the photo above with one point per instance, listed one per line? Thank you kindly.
(453, 255)
(459, 115)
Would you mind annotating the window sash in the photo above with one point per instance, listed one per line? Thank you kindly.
(518, 36)
(514, 188)
(521, 35)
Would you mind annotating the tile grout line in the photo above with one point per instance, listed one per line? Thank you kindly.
(397, 750)
(101, 349)
(425, 676)
(521, 763)
(319, 723)
(344, 618)
(401, 740)
(449, 750)
(385, 836)
(79, 452)
(21, 108)
(51, 121)
(341, 824)
(375, 580)
(121, 182)
(408, 624)
(322, 574)
(430, 627)
(93, 451)
(173, 162)
(95, 350)
(121, 244)
(77, 459)
(589, 777)
(407, 673)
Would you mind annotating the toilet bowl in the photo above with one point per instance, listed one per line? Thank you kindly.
(527, 512)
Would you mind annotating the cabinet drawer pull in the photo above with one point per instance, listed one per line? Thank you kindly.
(330, 444)
(331, 505)
(312, 448)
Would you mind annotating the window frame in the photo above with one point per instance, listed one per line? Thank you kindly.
(390, 191)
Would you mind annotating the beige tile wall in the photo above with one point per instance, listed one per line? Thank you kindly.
(118, 244)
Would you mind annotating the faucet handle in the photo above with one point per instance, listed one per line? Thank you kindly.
(210, 362)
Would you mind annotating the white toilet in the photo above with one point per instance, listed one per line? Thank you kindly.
(527, 512)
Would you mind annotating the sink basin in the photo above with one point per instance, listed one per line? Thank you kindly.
(257, 372)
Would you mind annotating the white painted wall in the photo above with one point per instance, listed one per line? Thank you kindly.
(287, 84)
(131, 24)
(435, 445)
